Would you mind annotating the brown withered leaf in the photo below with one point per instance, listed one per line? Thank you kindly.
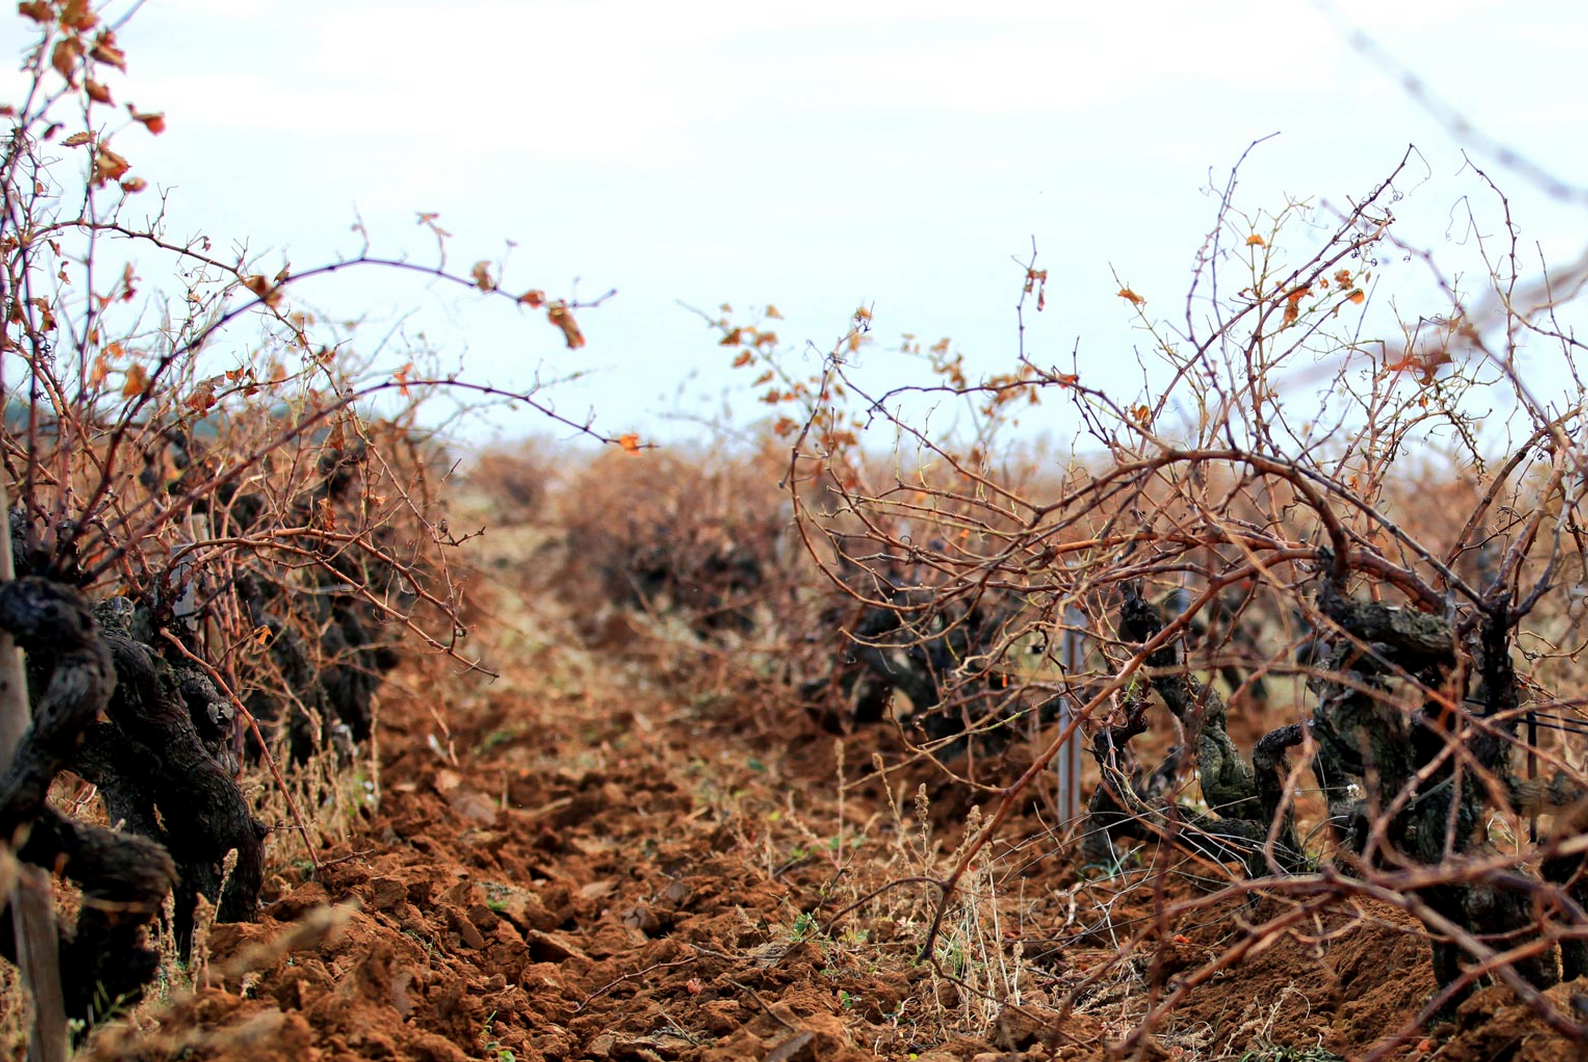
(560, 316)
(202, 398)
(136, 382)
(77, 15)
(96, 92)
(106, 51)
(109, 166)
(154, 121)
(482, 276)
(65, 54)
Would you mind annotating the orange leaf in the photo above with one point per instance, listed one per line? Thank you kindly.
(137, 382)
(1358, 296)
(77, 140)
(771, 311)
(76, 15)
(268, 293)
(558, 315)
(96, 92)
(202, 398)
(105, 51)
(1255, 240)
(65, 54)
(153, 121)
(482, 276)
(109, 166)
(1131, 297)
(630, 443)
(36, 10)
(732, 338)
(534, 298)
(1064, 379)
(744, 358)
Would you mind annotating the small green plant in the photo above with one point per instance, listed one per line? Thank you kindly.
(488, 1038)
(805, 927)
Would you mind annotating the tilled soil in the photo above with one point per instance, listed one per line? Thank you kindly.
(592, 862)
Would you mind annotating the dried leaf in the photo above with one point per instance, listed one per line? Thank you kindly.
(1358, 296)
(153, 121)
(534, 298)
(65, 54)
(37, 11)
(482, 276)
(1131, 297)
(203, 397)
(106, 51)
(630, 443)
(77, 140)
(1255, 240)
(109, 166)
(136, 382)
(96, 92)
(558, 315)
(771, 312)
(267, 292)
(78, 16)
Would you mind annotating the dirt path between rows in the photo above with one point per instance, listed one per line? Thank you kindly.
(591, 862)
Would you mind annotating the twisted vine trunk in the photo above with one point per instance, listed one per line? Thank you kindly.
(124, 879)
(32, 910)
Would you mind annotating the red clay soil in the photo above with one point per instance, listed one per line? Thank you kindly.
(615, 870)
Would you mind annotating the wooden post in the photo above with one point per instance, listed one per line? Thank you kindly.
(32, 903)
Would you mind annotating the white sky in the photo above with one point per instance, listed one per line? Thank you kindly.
(817, 155)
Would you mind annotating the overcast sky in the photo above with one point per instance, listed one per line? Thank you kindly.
(819, 155)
